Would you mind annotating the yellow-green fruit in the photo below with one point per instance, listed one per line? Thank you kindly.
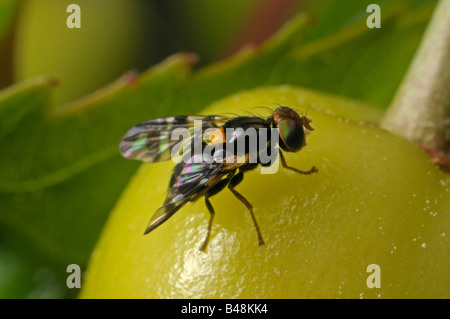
(111, 40)
(376, 199)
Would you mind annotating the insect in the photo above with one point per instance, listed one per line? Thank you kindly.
(195, 177)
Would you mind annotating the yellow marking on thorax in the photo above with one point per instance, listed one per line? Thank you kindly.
(217, 137)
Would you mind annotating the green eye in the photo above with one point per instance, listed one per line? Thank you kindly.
(292, 136)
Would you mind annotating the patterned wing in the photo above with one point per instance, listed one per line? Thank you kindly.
(189, 179)
(151, 141)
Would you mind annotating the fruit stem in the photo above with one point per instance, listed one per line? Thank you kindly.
(420, 110)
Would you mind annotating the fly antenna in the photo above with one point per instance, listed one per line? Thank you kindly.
(306, 120)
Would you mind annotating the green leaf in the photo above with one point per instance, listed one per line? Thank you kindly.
(20, 279)
(60, 171)
(14, 276)
(7, 10)
(63, 171)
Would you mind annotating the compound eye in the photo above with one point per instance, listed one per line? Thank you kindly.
(292, 135)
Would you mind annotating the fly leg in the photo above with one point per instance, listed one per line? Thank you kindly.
(234, 182)
(210, 192)
(285, 165)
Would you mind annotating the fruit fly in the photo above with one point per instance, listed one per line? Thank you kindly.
(194, 177)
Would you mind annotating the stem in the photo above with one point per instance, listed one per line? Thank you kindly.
(420, 110)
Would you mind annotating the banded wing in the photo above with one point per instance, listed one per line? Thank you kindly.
(151, 141)
(189, 179)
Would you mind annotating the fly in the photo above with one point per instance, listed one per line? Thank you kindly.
(194, 177)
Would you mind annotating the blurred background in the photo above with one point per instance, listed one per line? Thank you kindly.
(118, 36)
